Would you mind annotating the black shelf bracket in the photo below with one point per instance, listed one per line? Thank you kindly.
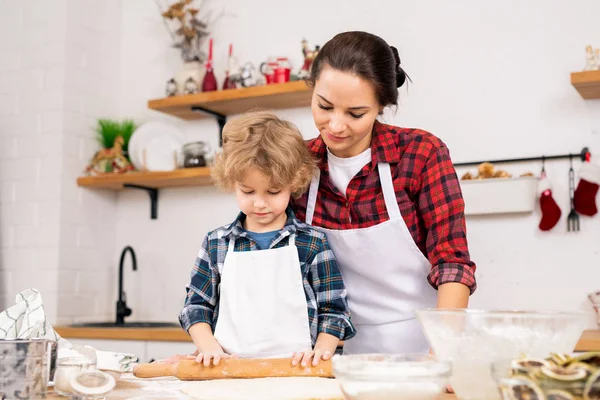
(221, 119)
(582, 155)
(153, 193)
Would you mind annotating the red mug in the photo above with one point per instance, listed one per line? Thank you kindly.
(282, 75)
(268, 70)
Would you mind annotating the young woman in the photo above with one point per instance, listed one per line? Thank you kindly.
(387, 197)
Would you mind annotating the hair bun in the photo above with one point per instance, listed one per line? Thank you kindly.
(400, 77)
(400, 74)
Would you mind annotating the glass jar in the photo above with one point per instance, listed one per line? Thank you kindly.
(68, 367)
(195, 154)
(93, 385)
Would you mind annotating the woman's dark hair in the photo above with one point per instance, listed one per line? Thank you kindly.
(367, 56)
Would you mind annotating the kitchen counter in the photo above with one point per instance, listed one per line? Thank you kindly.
(590, 340)
(130, 387)
(156, 334)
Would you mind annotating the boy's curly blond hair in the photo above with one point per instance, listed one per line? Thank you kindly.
(260, 139)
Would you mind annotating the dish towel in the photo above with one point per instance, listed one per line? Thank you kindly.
(27, 320)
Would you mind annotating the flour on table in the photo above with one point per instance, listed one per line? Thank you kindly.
(289, 388)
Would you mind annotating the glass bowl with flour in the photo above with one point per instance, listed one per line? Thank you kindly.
(473, 339)
(383, 377)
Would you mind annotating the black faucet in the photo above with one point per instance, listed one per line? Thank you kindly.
(122, 309)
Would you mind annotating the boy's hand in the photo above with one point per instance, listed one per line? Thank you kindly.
(315, 355)
(176, 358)
(324, 350)
(215, 356)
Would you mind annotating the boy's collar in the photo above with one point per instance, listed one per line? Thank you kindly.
(292, 225)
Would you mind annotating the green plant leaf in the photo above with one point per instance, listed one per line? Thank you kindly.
(108, 130)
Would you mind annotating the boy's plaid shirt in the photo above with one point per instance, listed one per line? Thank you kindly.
(325, 291)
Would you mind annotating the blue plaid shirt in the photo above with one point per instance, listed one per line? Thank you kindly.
(325, 291)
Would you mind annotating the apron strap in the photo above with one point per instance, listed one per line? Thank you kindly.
(231, 245)
(312, 196)
(292, 240)
(387, 187)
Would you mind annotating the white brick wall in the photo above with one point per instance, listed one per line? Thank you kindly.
(487, 92)
(53, 86)
(88, 224)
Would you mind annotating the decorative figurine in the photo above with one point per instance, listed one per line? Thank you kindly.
(110, 161)
(190, 87)
(248, 75)
(309, 56)
(229, 82)
(171, 87)
(209, 83)
(592, 56)
(188, 30)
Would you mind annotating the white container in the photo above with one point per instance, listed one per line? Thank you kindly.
(500, 195)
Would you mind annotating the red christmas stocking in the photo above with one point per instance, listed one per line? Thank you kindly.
(585, 194)
(550, 210)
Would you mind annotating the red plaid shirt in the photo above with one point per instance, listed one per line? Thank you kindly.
(428, 193)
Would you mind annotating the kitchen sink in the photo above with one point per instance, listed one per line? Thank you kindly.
(127, 325)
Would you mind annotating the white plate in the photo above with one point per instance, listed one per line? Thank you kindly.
(153, 145)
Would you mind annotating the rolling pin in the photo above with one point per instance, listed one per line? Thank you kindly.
(190, 370)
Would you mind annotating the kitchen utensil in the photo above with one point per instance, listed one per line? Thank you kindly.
(25, 367)
(402, 376)
(195, 154)
(233, 368)
(473, 339)
(573, 217)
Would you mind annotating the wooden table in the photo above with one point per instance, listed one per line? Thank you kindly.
(130, 387)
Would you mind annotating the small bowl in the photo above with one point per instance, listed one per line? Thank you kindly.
(379, 376)
(517, 383)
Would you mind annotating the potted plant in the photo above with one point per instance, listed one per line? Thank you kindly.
(113, 157)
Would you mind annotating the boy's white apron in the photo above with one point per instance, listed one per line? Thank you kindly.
(262, 307)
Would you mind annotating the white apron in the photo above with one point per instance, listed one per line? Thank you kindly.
(386, 277)
(262, 306)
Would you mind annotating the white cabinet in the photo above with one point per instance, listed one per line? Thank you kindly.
(158, 350)
(146, 351)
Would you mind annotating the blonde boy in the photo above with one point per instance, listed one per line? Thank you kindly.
(266, 285)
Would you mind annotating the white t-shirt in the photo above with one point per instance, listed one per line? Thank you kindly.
(342, 170)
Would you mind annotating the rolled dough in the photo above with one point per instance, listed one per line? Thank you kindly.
(289, 388)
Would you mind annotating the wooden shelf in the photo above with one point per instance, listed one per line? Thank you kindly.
(151, 182)
(155, 180)
(587, 84)
(235, 101)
